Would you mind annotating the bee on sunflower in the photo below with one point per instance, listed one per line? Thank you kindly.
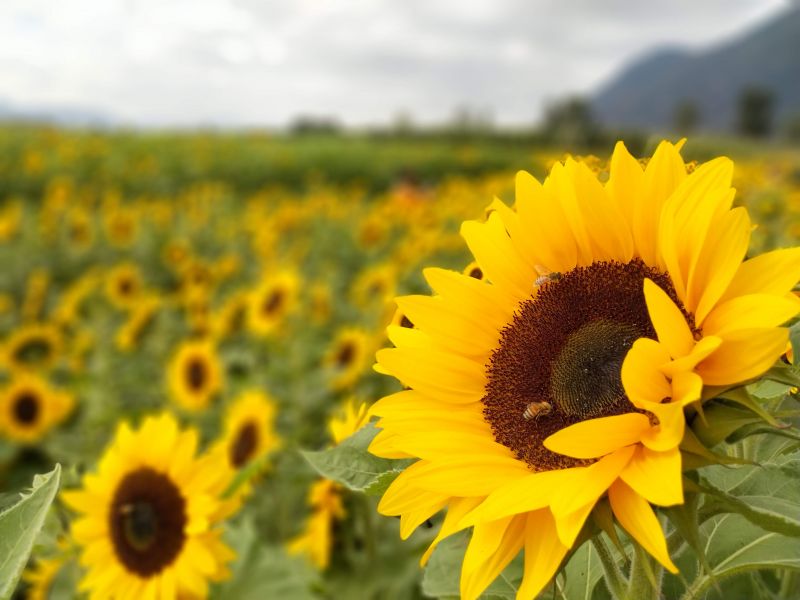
(149, 523)
(29, 408)
(194, 374)
(566, 374)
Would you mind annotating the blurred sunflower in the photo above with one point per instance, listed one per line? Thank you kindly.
(325, 496)
(29, 408)
(194, 374)
(124, 285)
(40, 577)
(269, 304)
(474, 271)
(375, 286)
(348, 356)
(149, 524)
(565, 379)
(249, 429)
(34, 346)
(121, 225)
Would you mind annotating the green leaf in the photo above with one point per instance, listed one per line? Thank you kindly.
(767, 494)
(582, 573)
(783, 373)
(735, 545)
(742, 397)
(722, 421)
(382, 482)
(19, 526)
(263, 570)
(351, 464)
(684, 518)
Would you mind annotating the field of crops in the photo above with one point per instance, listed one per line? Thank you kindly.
(225, 295)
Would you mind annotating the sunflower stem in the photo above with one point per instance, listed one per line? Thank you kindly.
(646, 576)
(615, 581)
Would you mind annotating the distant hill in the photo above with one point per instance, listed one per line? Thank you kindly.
(647, 93)
(62, 115)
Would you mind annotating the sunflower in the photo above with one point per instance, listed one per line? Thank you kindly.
(249, 429)
(347, 357)
(124, 285)
(375, 286)
(607, 311)
(29, 408)
(149, 524)
(40, 577)
(269, 304)
(121, 225)
(34, 346)
(194, 374)
(325, 496)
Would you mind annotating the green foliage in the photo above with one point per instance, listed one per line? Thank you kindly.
(19, 527)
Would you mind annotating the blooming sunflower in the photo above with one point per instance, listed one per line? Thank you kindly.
(563, 378)
(40, 577)
(269, 304)
(34, 346)
(149, 517)
(29, 408)
(194, 374)
(325, 496)
(347, 356)
(124, 286)
(249, 429)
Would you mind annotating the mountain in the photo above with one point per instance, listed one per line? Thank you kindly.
(646, 93)
(63, 115)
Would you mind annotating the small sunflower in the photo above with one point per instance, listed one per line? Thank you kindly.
(249, 429)
(325, 496)
(149, 524)
(563, 378)
(121, 225)
(124, 286)
(194, 374)
(271, 302)
(375, 286)
(29, 408)
(34, 346)
(40, 577)
(348, 356)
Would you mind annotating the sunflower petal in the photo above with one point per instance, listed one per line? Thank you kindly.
(656, 476)
(491, 548)
(751, 311)
(743, 354)
(598, 437)
(543, 553)
(668, 321)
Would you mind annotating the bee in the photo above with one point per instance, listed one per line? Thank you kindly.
(542, 279)
(534, 410)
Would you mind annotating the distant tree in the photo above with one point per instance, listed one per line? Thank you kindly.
(756, 107)
(569, 122)
(305, 125)
(791, 128)
(687, 117)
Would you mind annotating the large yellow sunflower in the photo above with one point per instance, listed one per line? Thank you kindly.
(194, 375)
(149, 524)
(29, 408)
(563, 378)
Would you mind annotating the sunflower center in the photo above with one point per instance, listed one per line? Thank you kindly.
(345, 355)
(273, 303)
(196, 374)
(559, 360)
(244, 445)
(147, 521)
(26, 408)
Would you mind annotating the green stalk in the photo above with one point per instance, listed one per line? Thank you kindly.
(646, 576)
(615, 580)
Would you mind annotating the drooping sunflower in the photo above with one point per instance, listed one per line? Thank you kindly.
(271, 302)
(563, 378)
(29, 408)
(194, 374)
(325, 496)
(347, 356)
(33, 346)
(249, 429)
(149, 524)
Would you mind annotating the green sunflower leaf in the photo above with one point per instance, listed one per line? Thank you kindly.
(351, 464)
(734, 546)
(19, 527)
(768, 494)
(721, 421)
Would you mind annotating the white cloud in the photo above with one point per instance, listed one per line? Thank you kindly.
(236, 62)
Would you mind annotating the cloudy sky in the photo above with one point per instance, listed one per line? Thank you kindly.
(262, 62)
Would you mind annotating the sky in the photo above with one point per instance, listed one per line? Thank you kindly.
(238, 63)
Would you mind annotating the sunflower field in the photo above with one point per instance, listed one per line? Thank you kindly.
(244, 366)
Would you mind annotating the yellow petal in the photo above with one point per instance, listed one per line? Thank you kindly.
(750, 312)
(468, 475)
(456, 510)
(774, 273)
(744, 354)
(668, 321)
(635, 515)
(702, 349)
(543, 553)
(456, 286)
(570, 525)
(402, 496)
(656, 476)
(669, 432)
(625, 181)
(598, 437)
(641, 376)
(486, 556)
(585, 485)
